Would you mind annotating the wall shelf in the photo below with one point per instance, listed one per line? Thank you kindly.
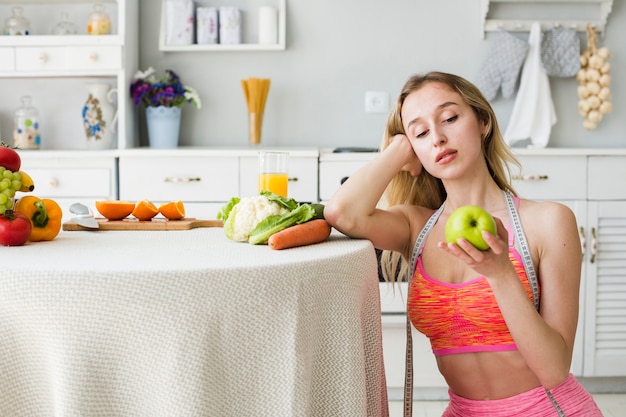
(519, 15)
(247, 45)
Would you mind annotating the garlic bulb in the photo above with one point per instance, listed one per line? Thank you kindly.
(594, 80)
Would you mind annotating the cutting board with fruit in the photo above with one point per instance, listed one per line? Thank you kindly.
(154, 224)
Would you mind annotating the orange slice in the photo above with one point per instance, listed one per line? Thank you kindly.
(174, 210)
(115, 209)
(145, 210)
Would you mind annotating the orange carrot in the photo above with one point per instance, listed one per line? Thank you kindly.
(307, 233)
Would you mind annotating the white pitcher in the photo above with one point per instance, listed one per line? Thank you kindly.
(99, 116)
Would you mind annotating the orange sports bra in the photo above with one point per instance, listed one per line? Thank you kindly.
(460, 318)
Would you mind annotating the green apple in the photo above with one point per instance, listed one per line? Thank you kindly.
(468, 222)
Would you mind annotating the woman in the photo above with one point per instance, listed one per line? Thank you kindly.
(499, 354)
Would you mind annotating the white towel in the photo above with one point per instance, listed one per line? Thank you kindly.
(533, 112)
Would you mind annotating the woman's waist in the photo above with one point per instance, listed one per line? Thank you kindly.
(487, 375)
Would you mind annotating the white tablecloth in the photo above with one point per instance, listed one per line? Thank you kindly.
(188, 323)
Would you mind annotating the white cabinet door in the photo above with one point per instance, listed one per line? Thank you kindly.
(605, 310)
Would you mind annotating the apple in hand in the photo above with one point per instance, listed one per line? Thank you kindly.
(468, 222)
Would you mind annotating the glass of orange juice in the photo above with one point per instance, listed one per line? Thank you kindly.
(273, 172)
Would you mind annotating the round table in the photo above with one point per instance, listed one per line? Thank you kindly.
(189, 323)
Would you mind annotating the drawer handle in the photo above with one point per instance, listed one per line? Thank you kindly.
(42, 58)
(93, 57)
(53, 183)
(594, 245)
(530, 177)
(292, 179)
(183, 179)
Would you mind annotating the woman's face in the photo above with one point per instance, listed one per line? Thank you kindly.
(443, 130)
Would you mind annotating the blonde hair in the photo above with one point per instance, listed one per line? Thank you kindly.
(426, 190)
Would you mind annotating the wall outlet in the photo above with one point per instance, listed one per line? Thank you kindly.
(376, 102)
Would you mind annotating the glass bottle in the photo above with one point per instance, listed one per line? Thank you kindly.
(26, 126)
(16, 24)
(99, 21)
(65, 26)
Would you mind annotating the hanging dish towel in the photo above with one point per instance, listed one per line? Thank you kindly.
(533, 112)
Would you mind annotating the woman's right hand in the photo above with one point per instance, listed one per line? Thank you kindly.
(413, 164)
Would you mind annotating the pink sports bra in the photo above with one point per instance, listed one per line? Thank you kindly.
(460, 318)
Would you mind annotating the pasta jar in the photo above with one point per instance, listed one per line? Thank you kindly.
(99, 21)
(16, 24)
(26, 126)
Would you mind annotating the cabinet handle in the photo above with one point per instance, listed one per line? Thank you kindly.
(583, 240)
(344, 179)
(530, 177)
(292, 179)
(53, 183)
(183, 179)
(42, 58)
(594, 245)
(93, 57)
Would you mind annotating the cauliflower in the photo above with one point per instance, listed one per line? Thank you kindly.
(247, 213)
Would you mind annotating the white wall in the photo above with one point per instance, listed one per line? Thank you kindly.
(337, 50)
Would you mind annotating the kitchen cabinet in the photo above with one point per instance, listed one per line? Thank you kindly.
(206, 179)
(55, 69)
(600, 209)
(76, 177)
(250, 20)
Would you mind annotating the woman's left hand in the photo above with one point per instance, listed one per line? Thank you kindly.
(490, 262)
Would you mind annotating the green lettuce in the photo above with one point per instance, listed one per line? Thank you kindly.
(275, 223)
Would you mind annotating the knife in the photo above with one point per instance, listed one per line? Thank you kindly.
(84, 216)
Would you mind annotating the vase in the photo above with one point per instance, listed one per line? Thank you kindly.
(163, 126)
(99, 116)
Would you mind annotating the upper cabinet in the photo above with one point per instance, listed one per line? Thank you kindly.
(518, 15)
(56, 66)
(258, 26)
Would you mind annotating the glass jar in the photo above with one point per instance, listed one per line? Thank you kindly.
(65, 26)
(16, 24)
(99, 21)
(26, 126)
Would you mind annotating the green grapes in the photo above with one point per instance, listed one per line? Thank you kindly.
(10, 182)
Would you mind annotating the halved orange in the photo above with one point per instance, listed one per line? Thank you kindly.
(174, 210)
(145, 210)
(115, 209)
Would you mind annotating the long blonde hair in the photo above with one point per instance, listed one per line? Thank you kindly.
(426, 190)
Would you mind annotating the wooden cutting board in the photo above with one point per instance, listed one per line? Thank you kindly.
(155, 224)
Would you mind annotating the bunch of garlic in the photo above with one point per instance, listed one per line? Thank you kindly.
(594, 81)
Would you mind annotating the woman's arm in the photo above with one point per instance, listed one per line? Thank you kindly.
(352, 209)
(544, 339)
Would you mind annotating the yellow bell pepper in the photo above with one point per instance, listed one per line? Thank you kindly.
(44, 215)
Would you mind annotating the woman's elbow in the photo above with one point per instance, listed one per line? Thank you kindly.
(338, 215)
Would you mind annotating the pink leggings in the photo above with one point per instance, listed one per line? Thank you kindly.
(568, 399)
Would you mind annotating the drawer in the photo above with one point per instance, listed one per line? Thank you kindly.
(96, 183)
(607, 174)
(551, 178)
(40, 58)
(7, 59)
(302, 178)
(190, 179)
(333, 173)
(94, 58)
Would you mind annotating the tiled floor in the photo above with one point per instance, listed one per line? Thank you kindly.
(612, 405)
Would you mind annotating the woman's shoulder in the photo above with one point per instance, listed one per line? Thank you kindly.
(548, 219)
(547, 210)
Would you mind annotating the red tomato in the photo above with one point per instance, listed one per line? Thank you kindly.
(10, 159)
(14, 229)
